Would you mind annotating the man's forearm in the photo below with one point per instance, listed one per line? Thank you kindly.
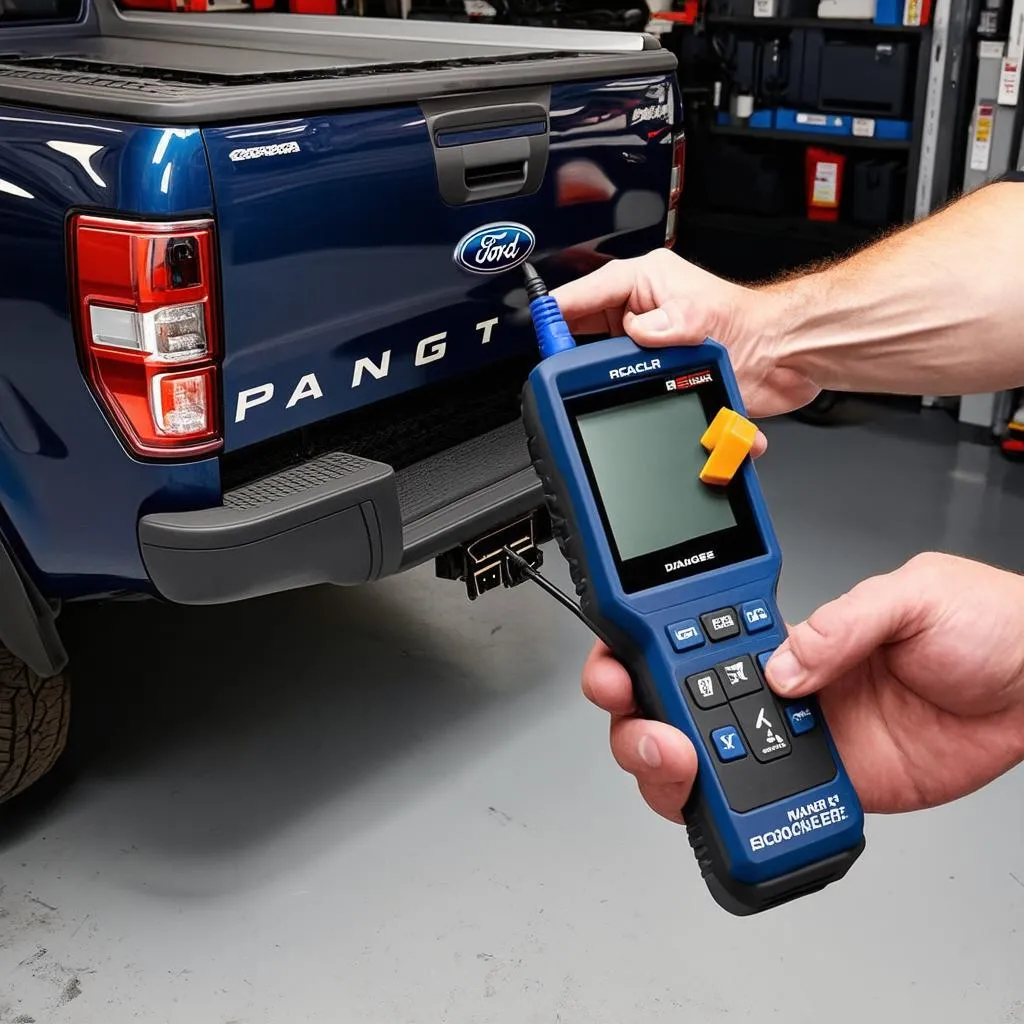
(935, 309)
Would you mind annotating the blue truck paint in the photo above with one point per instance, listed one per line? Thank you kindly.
(71, 495)
(354, 226)
(310, 285)
(645, 616)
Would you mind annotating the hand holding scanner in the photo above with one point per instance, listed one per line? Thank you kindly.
(679, 575)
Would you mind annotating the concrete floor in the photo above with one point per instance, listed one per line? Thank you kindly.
(393, 807)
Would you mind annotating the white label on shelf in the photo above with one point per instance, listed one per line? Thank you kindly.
(864, 127)
(818, 120)
(764, 8)
(981, 143)
(912, 11)
(826, 184)
(1009, 78)
(1009, 83)
(990, 50)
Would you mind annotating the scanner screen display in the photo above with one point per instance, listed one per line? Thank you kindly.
(646, 459)
(640, 446)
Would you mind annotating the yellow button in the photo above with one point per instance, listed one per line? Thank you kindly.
(729, 438)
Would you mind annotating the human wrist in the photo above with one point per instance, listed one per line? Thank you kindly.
(792, 312)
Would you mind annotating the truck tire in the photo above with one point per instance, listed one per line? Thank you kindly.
(821, 410)
(33, 723)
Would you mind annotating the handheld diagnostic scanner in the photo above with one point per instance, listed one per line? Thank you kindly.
(676, 565)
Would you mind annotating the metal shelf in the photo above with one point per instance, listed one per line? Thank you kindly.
(826, 24)
(812, 231)
(810, 138)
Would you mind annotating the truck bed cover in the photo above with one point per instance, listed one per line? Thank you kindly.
(178, 69)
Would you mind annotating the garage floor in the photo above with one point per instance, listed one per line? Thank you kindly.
(393, 807)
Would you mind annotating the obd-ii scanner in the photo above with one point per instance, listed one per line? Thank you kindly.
(679, 576)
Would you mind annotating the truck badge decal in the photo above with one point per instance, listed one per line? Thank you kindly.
(652, 112)
(495, 248)
(255, 152)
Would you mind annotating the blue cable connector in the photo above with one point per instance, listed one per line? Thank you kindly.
(548, 323)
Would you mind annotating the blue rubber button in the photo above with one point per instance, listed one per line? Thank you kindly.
(801, 718)
(762, 659)
(728, 743)
(756, 616)
(685, 635)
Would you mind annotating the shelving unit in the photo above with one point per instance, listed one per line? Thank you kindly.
(747, 243)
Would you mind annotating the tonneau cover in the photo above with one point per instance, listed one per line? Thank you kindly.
(171, 68)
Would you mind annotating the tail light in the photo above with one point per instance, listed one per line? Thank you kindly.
(147, 326)
(675, 190)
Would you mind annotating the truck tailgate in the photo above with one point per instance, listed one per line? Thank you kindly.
(339, 285)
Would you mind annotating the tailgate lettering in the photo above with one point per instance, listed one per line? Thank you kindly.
(428, 350)
(252, 397)
(486, 326)
(366, 363)
(308, 387)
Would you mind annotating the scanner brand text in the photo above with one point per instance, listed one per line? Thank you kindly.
(685, 563)
(634, 368)
(690, 380)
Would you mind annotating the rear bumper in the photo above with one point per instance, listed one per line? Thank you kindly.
(338, 519)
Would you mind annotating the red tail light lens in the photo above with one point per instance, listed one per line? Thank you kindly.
(148, 330)
(675, 190)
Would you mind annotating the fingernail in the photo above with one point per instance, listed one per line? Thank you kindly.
(649, 752)
(656, 321)
(785, 671)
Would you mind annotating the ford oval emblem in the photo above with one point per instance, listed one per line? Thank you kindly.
(495, 248)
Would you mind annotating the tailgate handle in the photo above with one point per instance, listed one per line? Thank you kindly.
(500, 165)
(490, 145)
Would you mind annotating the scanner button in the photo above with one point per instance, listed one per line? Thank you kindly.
(801, 718)
(739, 677)
(685, 635)
(728, 744)
(720, 625)
(763, 726)
(756, 616)
(706, 689)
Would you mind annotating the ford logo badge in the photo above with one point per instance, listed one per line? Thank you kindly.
(495, 248)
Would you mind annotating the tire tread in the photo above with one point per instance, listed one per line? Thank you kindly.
(34, 714)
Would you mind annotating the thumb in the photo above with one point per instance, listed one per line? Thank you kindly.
(678, 321)
(842, 634)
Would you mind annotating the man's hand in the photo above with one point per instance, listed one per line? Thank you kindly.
(921, 679)
(660, 299)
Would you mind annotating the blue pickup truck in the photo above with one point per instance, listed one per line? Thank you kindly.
(261, 323)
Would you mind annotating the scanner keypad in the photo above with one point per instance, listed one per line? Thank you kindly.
(721, 624)
(739, 677)
(763, 748)
(706, 689)
(735, 686)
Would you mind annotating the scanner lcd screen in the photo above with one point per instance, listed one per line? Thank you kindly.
(640, 444)
(646, 460)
